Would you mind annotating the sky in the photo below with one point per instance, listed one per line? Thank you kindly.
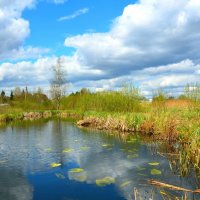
(103, 44)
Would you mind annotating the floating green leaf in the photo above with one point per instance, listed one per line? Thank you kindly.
(60, 176)
(105, 181)
(106, 145)
(67, 150)
(154, 163)
(85, 148)
(76, 170)
(132, 156)
(125, 184)
(55, 164)
(156, 172)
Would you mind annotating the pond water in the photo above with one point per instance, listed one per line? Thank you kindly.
(55, 160)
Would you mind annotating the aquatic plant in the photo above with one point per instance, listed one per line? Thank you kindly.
(105, 181)
(53, 165)
(155, 172)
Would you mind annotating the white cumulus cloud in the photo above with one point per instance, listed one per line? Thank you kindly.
(148, 33)
(14, 29)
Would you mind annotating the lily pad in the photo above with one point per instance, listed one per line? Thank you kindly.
(156, 172)
(154, 163)
(106, 145)
(53, 165)
(60, 176)
(85, 148)
(105, 181)
(76, 170)
(125, 184)
(132, 156)
(67, 150)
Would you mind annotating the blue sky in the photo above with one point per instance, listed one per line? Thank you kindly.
(102, 44)
(47, 31)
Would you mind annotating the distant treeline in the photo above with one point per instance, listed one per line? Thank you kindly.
(24, 99)
(128, 99)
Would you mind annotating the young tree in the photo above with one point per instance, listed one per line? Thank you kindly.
(58, 83)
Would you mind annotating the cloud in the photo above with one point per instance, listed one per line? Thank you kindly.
(39, 72)
(148, 33)
(172, 77)
(24, 53)
(75, 14)
(14, 30)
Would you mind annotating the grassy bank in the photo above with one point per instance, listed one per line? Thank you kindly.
(179, 128)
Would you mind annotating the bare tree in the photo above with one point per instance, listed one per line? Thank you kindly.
(58, 83)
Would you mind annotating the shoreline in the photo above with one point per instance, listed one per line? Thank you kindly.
(120, 122)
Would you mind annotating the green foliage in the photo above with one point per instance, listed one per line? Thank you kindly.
(21, 100)
(126, 100)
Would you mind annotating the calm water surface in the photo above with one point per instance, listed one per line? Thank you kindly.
(55, 160)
